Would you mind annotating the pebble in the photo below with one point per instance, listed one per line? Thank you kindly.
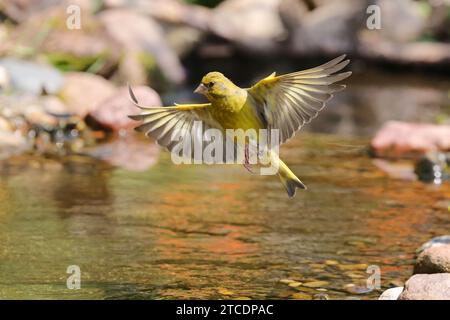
(301, 296)
(315, 284)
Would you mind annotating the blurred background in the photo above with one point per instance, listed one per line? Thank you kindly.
(79, 187)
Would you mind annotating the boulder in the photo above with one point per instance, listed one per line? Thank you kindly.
(391, 294)
(409, 12)
(427, 287)
(82, 92)
(397, 139)
(169, 11)
(29, 77)
(252, 23)
(330, 28)
(433, 260)
(435, 242)
(87, 48)
(112, 113)
(141, 34)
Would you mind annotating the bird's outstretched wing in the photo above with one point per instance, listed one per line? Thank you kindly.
(287, 102)
(160, 123)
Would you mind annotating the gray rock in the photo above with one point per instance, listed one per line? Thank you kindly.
(391, 294)
(413, 21)
(427, 287)
(436, 241)
(331, 28)
(5, 79)
(262, 27)
(32, 78)
(435, 259)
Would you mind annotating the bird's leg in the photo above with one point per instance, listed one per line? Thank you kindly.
(247, 164)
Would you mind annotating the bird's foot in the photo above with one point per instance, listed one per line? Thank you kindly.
(247, 164)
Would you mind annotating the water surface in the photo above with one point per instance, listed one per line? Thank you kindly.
(212, 231)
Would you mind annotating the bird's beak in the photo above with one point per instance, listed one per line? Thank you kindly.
(201, 89)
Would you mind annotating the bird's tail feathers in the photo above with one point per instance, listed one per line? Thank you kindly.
(289, 180)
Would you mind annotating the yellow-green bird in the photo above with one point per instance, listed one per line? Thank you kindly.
(285, 102)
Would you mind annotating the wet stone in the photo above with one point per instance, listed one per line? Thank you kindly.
(433, 168)
(315, 284)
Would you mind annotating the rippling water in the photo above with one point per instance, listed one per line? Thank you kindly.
(212, 231)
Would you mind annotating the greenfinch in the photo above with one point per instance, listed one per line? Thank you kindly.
(285, 102)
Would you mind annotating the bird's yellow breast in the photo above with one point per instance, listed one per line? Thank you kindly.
(236, 116)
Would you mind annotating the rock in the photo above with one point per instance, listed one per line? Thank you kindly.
(36, 115)
(183, 39)
(87, 48)
(427, 287)
(397, 139)
(301, 296)
(140, 34)
(20, 10)
(30, 77)
(435, 259)
(435, 242)
(315, 284)
(5, 79)
(11, 144)
(73, 51)
(330, 28)
(54, 106)
(409, 13)
(352, 267)
(415, 53)
(262, 28)
(356, 289)
(287, 281)
(321, 296)
(433, 168)
(82, 92)
(294, 284)
(113, 112)
(170, 11)
(391, 294)
(5, 125)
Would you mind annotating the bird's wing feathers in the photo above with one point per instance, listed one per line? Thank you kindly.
(161, 122)
(292, 100)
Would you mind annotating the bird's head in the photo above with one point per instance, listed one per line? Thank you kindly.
(215, 85)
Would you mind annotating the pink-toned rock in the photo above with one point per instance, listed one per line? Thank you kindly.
(82, 92)
(397, 139)
(113, 112)
(433, 260)
(427, 287)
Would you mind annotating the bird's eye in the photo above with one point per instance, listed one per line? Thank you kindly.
(210, 84)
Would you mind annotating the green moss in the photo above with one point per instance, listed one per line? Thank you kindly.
(70, 62)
